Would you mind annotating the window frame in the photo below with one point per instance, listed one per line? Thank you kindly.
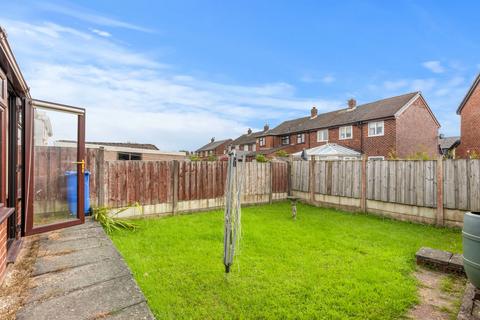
(340, 133)
(318, 135)
(282, 142)
(262, 141)
(301, 137)
(375, 123)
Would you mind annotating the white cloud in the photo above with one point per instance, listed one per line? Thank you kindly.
(86, 16)
(101, 33)
(308, 78)
(395, 85)
(130, 96)
(434, 66)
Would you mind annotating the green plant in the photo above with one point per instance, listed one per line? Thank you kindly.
(420, 155)
(261, 158)
(110, 220)
(212, 158)
(194, 157)
(474, 155)
(281, 153)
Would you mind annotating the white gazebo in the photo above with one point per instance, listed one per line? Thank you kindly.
(331, 151)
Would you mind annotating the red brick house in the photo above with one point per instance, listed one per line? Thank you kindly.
(214, 148)
(401, 126)
(469, 111)
(248, 141)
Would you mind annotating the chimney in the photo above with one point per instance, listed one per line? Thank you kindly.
(249, 131)
(313, 112)
(266, 127)
(213, 139)
(352, 104)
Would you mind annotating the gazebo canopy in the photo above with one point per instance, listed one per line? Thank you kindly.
(331, 151)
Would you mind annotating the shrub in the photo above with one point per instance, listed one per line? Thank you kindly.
(212, 158)
(194, 157)
(281, 153)
(474, 155)
(420, 155)
(261, 158)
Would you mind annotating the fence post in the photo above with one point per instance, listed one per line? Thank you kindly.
(440, 218)
(174, 187)
(311, 179)
(102, 183)
(270, 194)
(363, 197)
(289, 177)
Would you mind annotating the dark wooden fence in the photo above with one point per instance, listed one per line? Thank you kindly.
(121, 183)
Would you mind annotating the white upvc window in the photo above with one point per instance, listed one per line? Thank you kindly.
(261, 141)
(300, 138)
(254, 147)
(322, 135)
(245, 147)
(376, 158)
(375, 129)
(346, 133)
(237, 147)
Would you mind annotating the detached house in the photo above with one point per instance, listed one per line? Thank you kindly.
(469, 111)
(400, 126)
(214, 148)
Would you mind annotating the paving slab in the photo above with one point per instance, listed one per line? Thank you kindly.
(137, 312)
(58, 283)
(74, 234)
(53, 263)
(89, 303)
(53, 247)
(79, 274)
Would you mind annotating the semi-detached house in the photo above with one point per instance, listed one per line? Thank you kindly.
(401, 126)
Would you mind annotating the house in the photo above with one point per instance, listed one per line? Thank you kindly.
(28, 160)
(214, 148)
(469, 111)
(128, 150)
(447, 146)
(248, 141)
(399, 126)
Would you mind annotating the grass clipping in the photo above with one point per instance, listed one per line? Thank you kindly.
(110, 221)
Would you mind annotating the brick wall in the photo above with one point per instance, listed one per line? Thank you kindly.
(417, 131)
(470, 124)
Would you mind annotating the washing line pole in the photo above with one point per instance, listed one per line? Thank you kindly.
(233, 191)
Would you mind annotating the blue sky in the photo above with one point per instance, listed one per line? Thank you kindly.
(176, 73)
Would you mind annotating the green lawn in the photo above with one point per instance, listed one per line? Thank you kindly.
(326, 265)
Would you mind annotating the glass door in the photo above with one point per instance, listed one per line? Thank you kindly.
(58, 165)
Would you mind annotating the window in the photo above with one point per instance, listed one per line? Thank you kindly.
(376, 158)
(300, 138)
(322, 135)
(237, 147)
(346, 133)
(129, 156)
(285, 140)
(375, 129)
(245, 147)
(254, 147)
(261, 142)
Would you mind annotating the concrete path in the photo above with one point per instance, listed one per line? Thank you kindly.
(80, 275)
